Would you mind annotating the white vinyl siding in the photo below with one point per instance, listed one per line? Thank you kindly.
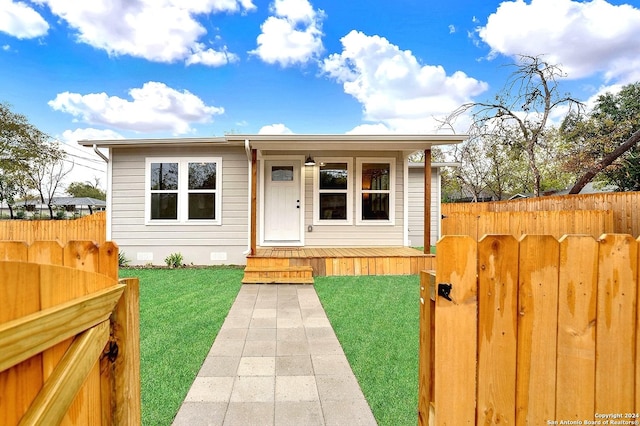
(200, 243)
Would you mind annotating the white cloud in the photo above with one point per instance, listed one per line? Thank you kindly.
(71, 137)
(292, 36)
(584, 38)
(154, 107)
(394, 88)
(275, 129)
(210, 57)
(452, 29)
(370, 129)
(165, 31)
(21, 21)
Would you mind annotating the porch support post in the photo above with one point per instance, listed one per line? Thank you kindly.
(427, 201)
(254, 198)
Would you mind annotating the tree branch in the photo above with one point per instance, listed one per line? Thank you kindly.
(606, 161)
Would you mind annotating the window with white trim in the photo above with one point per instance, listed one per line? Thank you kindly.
(376, 193)
(183, 190)
(333, 193)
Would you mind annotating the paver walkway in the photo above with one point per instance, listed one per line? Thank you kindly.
(276, 361)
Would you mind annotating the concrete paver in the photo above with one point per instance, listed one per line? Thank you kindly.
(276, 361)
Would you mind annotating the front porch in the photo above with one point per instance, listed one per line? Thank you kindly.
(300, 264)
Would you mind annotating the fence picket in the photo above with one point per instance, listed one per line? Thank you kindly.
(497, 316)
(20, 384)
(577, 293)
(637, 343)
(47, 252)
(82, 255)
(455, 332)
(108, 259)
(616, 310)
(14, 250)
(537, 329)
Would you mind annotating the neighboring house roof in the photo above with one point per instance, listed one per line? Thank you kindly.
(78, 201)
(69, 201)
(590, 188)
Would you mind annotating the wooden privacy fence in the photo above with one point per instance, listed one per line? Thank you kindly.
(555, 223)
(92, 227)
(531, 331)
(69, 336)
(624, 205)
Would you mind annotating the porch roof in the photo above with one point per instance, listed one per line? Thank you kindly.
(316, 142)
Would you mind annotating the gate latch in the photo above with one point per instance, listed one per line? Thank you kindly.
(444, 290)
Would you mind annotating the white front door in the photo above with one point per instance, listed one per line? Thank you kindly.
(282, 203)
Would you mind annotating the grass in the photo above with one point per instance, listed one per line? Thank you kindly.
(376, 319)
(181, 312)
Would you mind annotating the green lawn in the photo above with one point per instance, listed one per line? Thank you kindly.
(181, 311)
(375, 318)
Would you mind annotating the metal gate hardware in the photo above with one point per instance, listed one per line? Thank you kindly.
(444, 290)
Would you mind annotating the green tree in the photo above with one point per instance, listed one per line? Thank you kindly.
(22, 147)
(605, 141)
(86, 189)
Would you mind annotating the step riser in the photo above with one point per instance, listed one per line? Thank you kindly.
(278, 275)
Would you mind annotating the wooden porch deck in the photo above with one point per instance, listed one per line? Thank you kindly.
(300, 264)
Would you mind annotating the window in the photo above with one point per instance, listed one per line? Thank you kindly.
(376, 177)
(333, 191)
(282, 174)
(183, 191)
(202, 191)
(164, 190)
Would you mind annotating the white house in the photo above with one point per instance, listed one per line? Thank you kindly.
(216, 200)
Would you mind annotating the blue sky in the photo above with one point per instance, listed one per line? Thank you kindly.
(105, 69)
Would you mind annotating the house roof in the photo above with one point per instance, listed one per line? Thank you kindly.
(70, 201)
(305, 142)
(78, 201)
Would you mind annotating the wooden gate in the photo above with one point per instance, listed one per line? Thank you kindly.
(69, 339)
(531, 331)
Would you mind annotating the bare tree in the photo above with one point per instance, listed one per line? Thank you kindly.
(45, 176)
(521, 110)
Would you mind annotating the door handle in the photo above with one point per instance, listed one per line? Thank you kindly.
(297, 204)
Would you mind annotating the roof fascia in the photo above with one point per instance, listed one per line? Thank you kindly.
(136, 143)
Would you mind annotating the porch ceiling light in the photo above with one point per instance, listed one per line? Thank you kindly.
(309, 161)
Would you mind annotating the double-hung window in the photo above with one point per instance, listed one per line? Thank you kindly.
(333, 193)
(376, 195)
(183, 190)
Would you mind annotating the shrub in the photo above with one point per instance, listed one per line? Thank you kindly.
(174, 260)
(122, 259)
